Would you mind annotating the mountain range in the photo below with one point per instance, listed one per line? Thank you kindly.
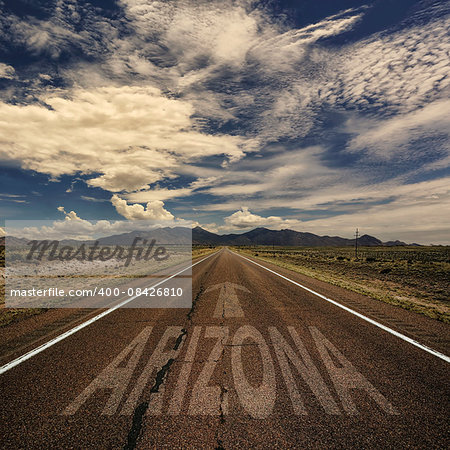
(264, 236)
(258, 236)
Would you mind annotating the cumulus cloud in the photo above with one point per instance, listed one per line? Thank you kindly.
(245, 219)
(7, 71)
(153, 211)
(72, 215)
(75, 227)
(109, 133)
(211, 227)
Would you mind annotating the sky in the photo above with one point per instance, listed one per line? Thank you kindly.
(318, 116)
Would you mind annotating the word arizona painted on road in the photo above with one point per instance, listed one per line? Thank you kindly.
(199, 394)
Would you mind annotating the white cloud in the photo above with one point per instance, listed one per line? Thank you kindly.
(224, 34)
(278, 180)
(245, 219)
(421, 219)
(11, 196)
(50, 37)
(93, 199)
(7, 71)
(200, 54)
(389, 137)
(397, 71)
(283, 51)
(75, 227)
(221, 31)
(211, 227)
(199, 41)
(202, 182)
(341, 195)
(418, 212)
(157, 194)
(72, 215)
(153, 211)
(131, 136)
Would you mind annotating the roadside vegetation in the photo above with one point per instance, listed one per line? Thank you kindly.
(202, 250)
(414, 278)
(10, 315)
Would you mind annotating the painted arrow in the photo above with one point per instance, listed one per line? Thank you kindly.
(228, 302)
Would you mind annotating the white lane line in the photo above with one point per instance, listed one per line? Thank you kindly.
(361, 316)
(68, 333)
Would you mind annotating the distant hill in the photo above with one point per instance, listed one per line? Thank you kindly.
(397, 242)
(258, 236)
(11, 240)
(203, 237)
(167, 235)
(264, 236)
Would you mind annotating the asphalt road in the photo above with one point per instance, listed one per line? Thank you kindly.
(258, 362)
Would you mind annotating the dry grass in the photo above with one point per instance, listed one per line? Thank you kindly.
(414, 278)
(11, 315)
(200, 250)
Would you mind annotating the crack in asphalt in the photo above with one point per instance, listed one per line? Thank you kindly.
(194, 303)
(136, 426)
(250, 344)
(141, 409)
(223, 311)
(180, 339)
(139, 412)
(223, 391)
(199, 361)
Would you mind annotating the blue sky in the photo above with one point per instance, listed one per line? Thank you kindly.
(318, 116)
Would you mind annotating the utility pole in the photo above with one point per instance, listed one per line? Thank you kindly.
(356, 243)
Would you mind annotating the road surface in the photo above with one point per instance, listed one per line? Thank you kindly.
(258, 362)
